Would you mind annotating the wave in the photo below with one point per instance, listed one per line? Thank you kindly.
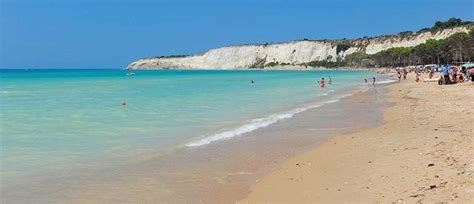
(389, 81)
(258, 123)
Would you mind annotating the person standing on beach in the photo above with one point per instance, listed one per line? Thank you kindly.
(445, 72)
(399, 76)
(431, 72)
(417, 69)
(373, 82)
(405, 73)
(322, 83)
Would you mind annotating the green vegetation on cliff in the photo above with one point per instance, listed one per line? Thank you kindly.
(450, 23)
(325, 63)
(456, 48)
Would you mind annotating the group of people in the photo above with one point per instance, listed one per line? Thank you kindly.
(322, 83)
(373, 81)
(451, 75)
(402, 72)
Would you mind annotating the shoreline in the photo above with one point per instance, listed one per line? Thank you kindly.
(421, 153)
(274, 68)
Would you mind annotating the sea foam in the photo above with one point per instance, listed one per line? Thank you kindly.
(259, 123)
(388, 81)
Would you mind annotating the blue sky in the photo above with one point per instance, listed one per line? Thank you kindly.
(112, 33)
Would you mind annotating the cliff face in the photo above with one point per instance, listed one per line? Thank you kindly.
(295, 52)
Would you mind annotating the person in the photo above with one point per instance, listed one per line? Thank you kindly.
(454, 75)
(405, 73)
(322, 82)
(330, 81)
(471, 73)
(461, 78)
(445, 72)
(124, 103)
(252, 81)
(431, 72)
(399, 76)
(373, 83)
(440, 80)
(417, 69)
(365, 80)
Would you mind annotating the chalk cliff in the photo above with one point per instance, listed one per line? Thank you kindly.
(293, 53)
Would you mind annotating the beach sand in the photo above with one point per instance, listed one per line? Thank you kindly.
(423, 152)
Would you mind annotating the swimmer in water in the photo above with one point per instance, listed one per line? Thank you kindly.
(124, 103)
(252, 81)
(365, 81)
(322, 83)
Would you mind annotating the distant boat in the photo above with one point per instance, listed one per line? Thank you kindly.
(130, 74)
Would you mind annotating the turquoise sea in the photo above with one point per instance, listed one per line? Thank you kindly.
(52, 120)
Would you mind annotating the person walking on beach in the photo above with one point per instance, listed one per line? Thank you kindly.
(373, 82)
(322, 83)
(405, 73)
(399, 76)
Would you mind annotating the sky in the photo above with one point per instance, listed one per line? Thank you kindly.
(113, 33)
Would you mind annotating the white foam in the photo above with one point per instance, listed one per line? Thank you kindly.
(257, 123)
(389, 81)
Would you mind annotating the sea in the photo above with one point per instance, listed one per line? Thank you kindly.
(58, 120)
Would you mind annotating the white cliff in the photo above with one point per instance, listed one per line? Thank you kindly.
(294, 52)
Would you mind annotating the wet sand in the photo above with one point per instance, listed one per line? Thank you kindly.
(221, 172)
(423, 152)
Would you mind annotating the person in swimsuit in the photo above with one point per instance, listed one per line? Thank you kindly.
(322, 82)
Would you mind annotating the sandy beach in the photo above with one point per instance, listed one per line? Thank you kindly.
(423, 152)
